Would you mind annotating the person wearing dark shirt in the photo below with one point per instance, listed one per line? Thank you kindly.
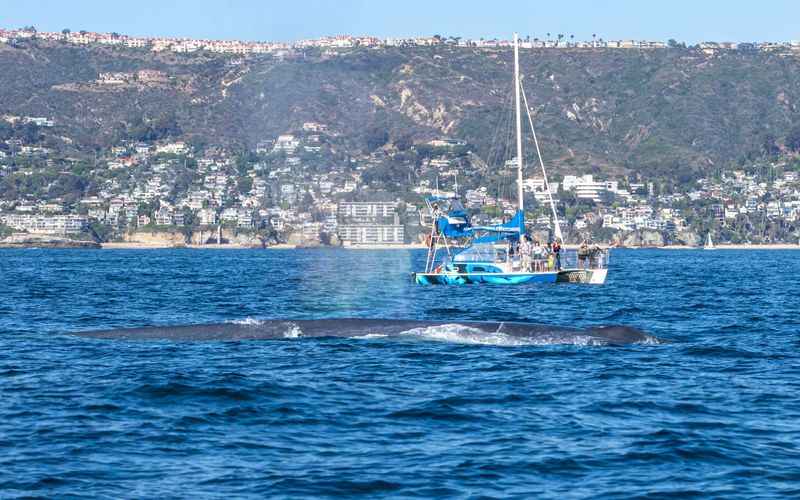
(556, 249)
(583, 254)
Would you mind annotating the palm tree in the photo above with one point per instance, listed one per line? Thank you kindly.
(572, 39)
(594, 37)
(560, 37)
(548, 36)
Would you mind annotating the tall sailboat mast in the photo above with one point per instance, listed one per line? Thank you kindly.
(559, 236)
(519, 124)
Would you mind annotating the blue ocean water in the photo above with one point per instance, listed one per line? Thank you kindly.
(713, 412)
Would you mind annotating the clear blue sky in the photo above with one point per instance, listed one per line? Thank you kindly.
(684, 20)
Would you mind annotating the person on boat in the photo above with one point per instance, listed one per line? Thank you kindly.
(525, 253)
(583, 254)
(538, 256)
(501, 254)
(556, 250)
(595, 254)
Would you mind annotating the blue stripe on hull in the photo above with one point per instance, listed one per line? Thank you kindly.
(488, 278)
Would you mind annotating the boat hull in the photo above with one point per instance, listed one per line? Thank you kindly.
(452, 278)
(586, 276)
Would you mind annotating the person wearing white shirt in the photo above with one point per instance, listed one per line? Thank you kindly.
(538, 256)
(525, 253)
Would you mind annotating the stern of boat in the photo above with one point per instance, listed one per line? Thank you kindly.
(584, 276)
(589, 269)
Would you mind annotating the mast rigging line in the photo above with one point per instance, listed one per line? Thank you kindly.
(501, 140)
(556, 224)
(500, 129)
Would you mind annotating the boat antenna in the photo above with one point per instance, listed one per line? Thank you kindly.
(519, 123)
(556, 224)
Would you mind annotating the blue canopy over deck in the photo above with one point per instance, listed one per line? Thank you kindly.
(510, 230)
(454, 222)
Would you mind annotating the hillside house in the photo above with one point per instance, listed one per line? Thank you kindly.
(151, 76)
(207, 217)
(174, 148)
(286, 143)
(164, 217)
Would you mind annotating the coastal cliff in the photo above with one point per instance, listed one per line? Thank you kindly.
(177, 238)
(155, 238)
(23, 240)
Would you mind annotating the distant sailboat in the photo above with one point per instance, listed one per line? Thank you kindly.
(709, 244)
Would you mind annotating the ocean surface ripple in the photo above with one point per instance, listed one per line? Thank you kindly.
(442, 412)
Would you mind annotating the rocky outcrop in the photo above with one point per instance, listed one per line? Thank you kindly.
(156, 238)
(177, 238)
(298, 240)
(320, 240)
(247, 240)
(688, 238)
(641, 238)
(44, 241)
(229, 236)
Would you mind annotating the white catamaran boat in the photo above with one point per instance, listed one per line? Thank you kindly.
(491, 254)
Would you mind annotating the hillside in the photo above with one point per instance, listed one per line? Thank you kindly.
(666, 112)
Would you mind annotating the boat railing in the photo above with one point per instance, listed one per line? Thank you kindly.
(573, 258)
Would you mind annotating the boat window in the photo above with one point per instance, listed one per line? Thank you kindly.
(456, 205)
(477, 253)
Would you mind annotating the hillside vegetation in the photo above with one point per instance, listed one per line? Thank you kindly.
(666, 112)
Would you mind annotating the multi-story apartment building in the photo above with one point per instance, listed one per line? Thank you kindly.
(365, 211)
(587, 188)
(368, 234)
(369, 223)
(45, 224)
